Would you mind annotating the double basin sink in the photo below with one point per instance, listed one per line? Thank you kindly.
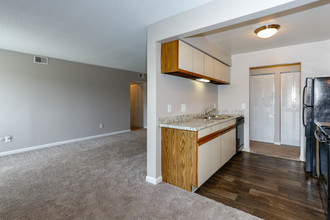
(216, 117)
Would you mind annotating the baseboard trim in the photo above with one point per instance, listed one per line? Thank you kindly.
(154, 181)
(277, 143)
(59, 143)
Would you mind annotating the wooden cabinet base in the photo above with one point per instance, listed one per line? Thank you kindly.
(189, 161)
(179, 157)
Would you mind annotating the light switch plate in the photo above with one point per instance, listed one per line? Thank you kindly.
(183, 107)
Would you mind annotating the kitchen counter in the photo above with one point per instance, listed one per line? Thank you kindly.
(193, 122)
(193, 149)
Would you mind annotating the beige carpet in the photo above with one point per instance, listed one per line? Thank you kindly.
(97, 179)
(282, 151)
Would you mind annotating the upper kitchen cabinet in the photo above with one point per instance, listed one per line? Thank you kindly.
(198, 61)
(217, 67)
(208, 66)
(221, 71)
(185, 56)
(180, 59)
(225, 73)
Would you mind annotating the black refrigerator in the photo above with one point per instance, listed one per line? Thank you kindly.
(316, 107)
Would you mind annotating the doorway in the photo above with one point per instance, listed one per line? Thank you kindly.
(275, 110)
(137, 105)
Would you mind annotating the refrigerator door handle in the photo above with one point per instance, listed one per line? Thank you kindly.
(304, 106)
(303, 115)
(304, 91)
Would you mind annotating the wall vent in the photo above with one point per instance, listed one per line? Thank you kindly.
(40, 60)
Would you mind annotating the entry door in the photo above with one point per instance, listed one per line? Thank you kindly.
(290, 108)
(262, 108)
(136, 105)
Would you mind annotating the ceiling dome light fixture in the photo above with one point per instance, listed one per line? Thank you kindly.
(267, 31)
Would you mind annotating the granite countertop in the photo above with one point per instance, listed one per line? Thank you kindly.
(192, 122)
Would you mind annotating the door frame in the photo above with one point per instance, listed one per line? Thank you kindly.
(273, 66)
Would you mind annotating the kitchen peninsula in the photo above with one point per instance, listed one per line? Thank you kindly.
(195, 147)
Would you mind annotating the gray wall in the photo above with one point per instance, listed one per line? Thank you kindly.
(64, 100)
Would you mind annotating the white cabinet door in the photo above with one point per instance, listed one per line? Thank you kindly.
(198, 61)
(215, 155)
(204, 163)
(208, 66)
(225, 73)
(185, 56)
(217, 69)
(228, 146)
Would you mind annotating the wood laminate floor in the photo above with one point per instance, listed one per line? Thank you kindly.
(283, 151)
(133, 128)
(267, 187)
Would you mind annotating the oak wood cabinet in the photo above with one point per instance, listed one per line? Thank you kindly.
(189, 158)
(180, 59)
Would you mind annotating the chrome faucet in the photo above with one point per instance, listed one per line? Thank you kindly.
(206, 111)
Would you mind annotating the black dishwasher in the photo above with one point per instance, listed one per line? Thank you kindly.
(239, 134)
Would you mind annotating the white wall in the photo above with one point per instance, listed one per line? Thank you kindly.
(42, 104)
(216, 14)
(315, 61)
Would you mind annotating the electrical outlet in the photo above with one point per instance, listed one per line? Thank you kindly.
(183, 107)
(169, 108)
(243, 105)
(101, 125)
(8, 139)
(214, 105)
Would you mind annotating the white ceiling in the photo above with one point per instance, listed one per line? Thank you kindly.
(102, 32)
(301, 27)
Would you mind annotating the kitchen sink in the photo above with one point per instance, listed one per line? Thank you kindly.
(206, 117)
(221, 116)
(218, 117)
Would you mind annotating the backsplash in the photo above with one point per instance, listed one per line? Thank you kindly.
(231, 112)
